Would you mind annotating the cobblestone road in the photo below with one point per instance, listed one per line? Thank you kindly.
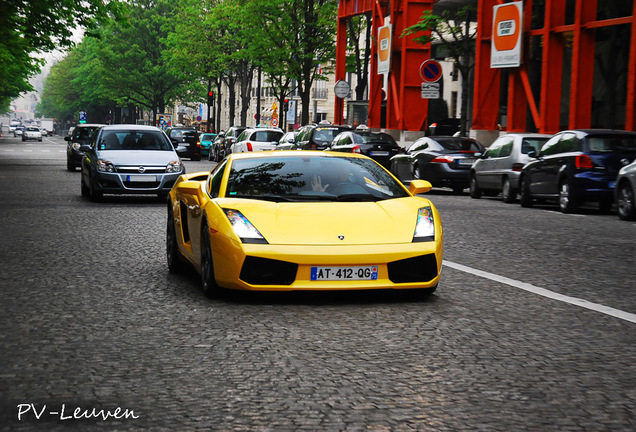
(91, 320)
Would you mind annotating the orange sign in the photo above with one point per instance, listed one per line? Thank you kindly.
(506, 35)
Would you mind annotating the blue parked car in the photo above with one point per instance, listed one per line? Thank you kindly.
(576, 166)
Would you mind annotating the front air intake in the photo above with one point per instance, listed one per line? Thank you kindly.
(421, 268)
(264, 271)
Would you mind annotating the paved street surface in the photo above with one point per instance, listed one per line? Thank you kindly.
(533, 327)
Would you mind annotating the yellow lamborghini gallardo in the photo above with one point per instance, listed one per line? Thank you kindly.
(304, 220)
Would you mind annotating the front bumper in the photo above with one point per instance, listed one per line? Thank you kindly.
(154, 183)
(400, 266)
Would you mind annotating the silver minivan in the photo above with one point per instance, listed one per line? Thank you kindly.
(497, 170)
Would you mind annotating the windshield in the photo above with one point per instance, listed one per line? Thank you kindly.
(133, 140)
(311, 178)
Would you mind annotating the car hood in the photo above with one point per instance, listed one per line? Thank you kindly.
(332, 223)
(138, 157)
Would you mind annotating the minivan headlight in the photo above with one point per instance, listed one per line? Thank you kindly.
(105, 166)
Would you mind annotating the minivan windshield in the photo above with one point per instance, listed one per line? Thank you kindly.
(133, 140)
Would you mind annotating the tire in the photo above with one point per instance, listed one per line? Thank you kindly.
(625, 202)
(70, 165)
(525, 197)
(508, 194)
(475, 192)
(208, 281)
(94, 194)
(86, 192)
(173, 256)
(566, 203)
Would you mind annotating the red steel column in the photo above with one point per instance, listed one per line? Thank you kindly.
(581, 87)
(552, 67)
(341, 61)
(630, 111)
(487, 80)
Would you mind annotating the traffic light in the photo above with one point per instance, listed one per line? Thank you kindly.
(286, 105)
(210, 97)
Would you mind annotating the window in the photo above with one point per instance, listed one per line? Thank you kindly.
(506, 149)
(216, 176)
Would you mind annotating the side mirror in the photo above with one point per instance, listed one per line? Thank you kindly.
(67, 138)
(533, 154)
(480, 155)
(85, 148)
(419, 187)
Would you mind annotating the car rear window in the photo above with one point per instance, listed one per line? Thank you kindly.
(378, 137)
(612, 144)
(326, 133)
(460, 144)
(266, 136)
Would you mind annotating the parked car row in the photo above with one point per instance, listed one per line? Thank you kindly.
(571, 167)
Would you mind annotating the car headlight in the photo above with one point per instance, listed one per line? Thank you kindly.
(243, 228)
(105, 166)
(173, 167)
(425, 226)
(76, 146)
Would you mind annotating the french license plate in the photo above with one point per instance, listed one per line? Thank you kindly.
(141, 178)
(344, 273)
(466, 161)
(379, 153)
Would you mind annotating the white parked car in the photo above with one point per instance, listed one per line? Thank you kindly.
(259, 139)
(31, 133)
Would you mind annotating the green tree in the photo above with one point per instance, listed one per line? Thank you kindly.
(28, 28)
(301, 35)
(455, 31)
(132, 57)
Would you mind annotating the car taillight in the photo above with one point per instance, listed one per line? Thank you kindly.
(584, 161)
(517, 166)
(249, 146)
(443, 159)
(198, 143)
(313, 146)
(355, 149)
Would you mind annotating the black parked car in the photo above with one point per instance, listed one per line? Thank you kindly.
(230, 138)
(443, 161)
(318, 136)
(575, 166)
(186, 142)
(80, 136)
(379, 146)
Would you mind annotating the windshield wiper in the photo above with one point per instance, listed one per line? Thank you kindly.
(358, 197)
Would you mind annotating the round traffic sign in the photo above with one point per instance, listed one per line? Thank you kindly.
(275, 121)
(431, 71)
(342, 89)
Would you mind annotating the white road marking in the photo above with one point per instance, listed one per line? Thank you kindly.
(617, 313)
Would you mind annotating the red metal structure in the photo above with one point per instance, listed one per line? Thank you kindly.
(563, 95)
(405, 108)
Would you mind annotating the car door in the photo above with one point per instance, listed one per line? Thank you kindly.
(485, 172)
(554, 162)
(503, 162)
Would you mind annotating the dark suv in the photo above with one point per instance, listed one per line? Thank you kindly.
(230, 138)
(318, 136)
(80, 136)
(575, 166)
(186, 142)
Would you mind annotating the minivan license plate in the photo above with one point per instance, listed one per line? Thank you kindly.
(344, 273)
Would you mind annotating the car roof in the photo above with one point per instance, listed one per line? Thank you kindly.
(131, 127)
(293, 153)
(90, 125)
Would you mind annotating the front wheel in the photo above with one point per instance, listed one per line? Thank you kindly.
(475, 192)
(566, 203)
(625, 202)
(173, 256)
(208, 281)
(525, 196)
